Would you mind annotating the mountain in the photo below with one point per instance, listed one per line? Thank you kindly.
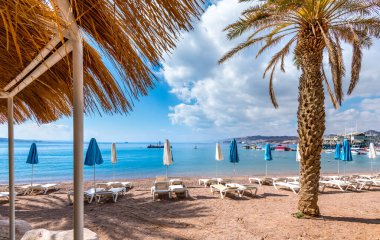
(271, 139)
(19, 140)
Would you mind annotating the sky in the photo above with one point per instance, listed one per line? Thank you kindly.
(197, 100)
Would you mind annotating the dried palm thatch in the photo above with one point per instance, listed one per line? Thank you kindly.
(131, 35)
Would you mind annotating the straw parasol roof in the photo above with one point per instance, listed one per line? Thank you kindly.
(128, 36)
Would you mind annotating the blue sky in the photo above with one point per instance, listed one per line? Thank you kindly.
(198, 100)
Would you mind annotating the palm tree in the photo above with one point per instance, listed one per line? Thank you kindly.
(309, 29)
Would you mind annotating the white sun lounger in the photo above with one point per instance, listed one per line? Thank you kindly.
(342, 185)
(113, 193)
(223, 190)
(36, 188)
(294, 186)
(177, 187)
(5, 195)
(89, 195)
(160, 188)
(262, 181)
(243, 188)
(207, 181)
(224, 181)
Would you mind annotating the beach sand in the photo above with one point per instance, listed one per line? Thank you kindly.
(345, 215)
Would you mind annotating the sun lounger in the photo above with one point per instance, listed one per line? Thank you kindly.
(207, 181)
(89, 194)
(160, 188)
(26, 189)
(342, 185)
(223, 190)
(113, 193)
(294, 186)
(120, 184)
(43, 188)
(243, 188)
(4, 195)
(224, 181)
(262, 181)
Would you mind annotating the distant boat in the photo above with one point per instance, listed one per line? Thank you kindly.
(282, 148)
(195, 147)
(159, 145)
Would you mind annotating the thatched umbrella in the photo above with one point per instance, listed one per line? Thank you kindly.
(52, 63)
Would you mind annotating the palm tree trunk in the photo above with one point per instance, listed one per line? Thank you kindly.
(311, 119)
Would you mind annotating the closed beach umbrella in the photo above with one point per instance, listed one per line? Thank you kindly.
(168, 156)
(337, 154)
(372, 154)
(218, 156)
(346, 155)
(298, 158)
(32, 159)
(234, 156)
(267, 157)
(93, 156)
(113, 158)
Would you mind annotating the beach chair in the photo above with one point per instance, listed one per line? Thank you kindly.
(160, 188)
(243, 188)
(42, 188)
(113, 193)
(364, 183)
(342, 185)
(27, 189)
(224, 181)
(282, 183)
(89, 195)
(4, 195)
(126, 185)
(178, 188)
(207, 181)
(262, 181)
(223, 190)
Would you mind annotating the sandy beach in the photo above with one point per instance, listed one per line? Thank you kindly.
(345, 215)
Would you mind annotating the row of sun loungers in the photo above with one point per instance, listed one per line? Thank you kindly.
(103, 191)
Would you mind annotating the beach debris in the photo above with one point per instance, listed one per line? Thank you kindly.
(44, 234)
(21, 228)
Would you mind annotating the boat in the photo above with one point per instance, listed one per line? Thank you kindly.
(329, 151)
(195, 147)
(282, 148)
(159, 145)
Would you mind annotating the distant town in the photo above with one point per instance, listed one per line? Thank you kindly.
(358, 139)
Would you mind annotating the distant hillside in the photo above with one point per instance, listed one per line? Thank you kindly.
(259, 138)
(19, 140)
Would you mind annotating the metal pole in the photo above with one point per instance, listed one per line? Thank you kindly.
(266, 168)
(12, 228)
(31, 183)
(167, 170)
(78, 136)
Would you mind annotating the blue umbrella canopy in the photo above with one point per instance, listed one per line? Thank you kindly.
(268, 153)
(234, 156)
(33, 155)
(346, 152)
(337, 152)
(32, 159)
(93, 154)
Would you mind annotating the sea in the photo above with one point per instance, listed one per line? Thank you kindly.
(135, 161)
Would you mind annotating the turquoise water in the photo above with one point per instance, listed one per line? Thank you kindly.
(136, 161)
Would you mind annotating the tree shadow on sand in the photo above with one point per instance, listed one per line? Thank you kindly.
(352, 219)
(130, 218)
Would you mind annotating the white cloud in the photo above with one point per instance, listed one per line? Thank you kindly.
(233, 97)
